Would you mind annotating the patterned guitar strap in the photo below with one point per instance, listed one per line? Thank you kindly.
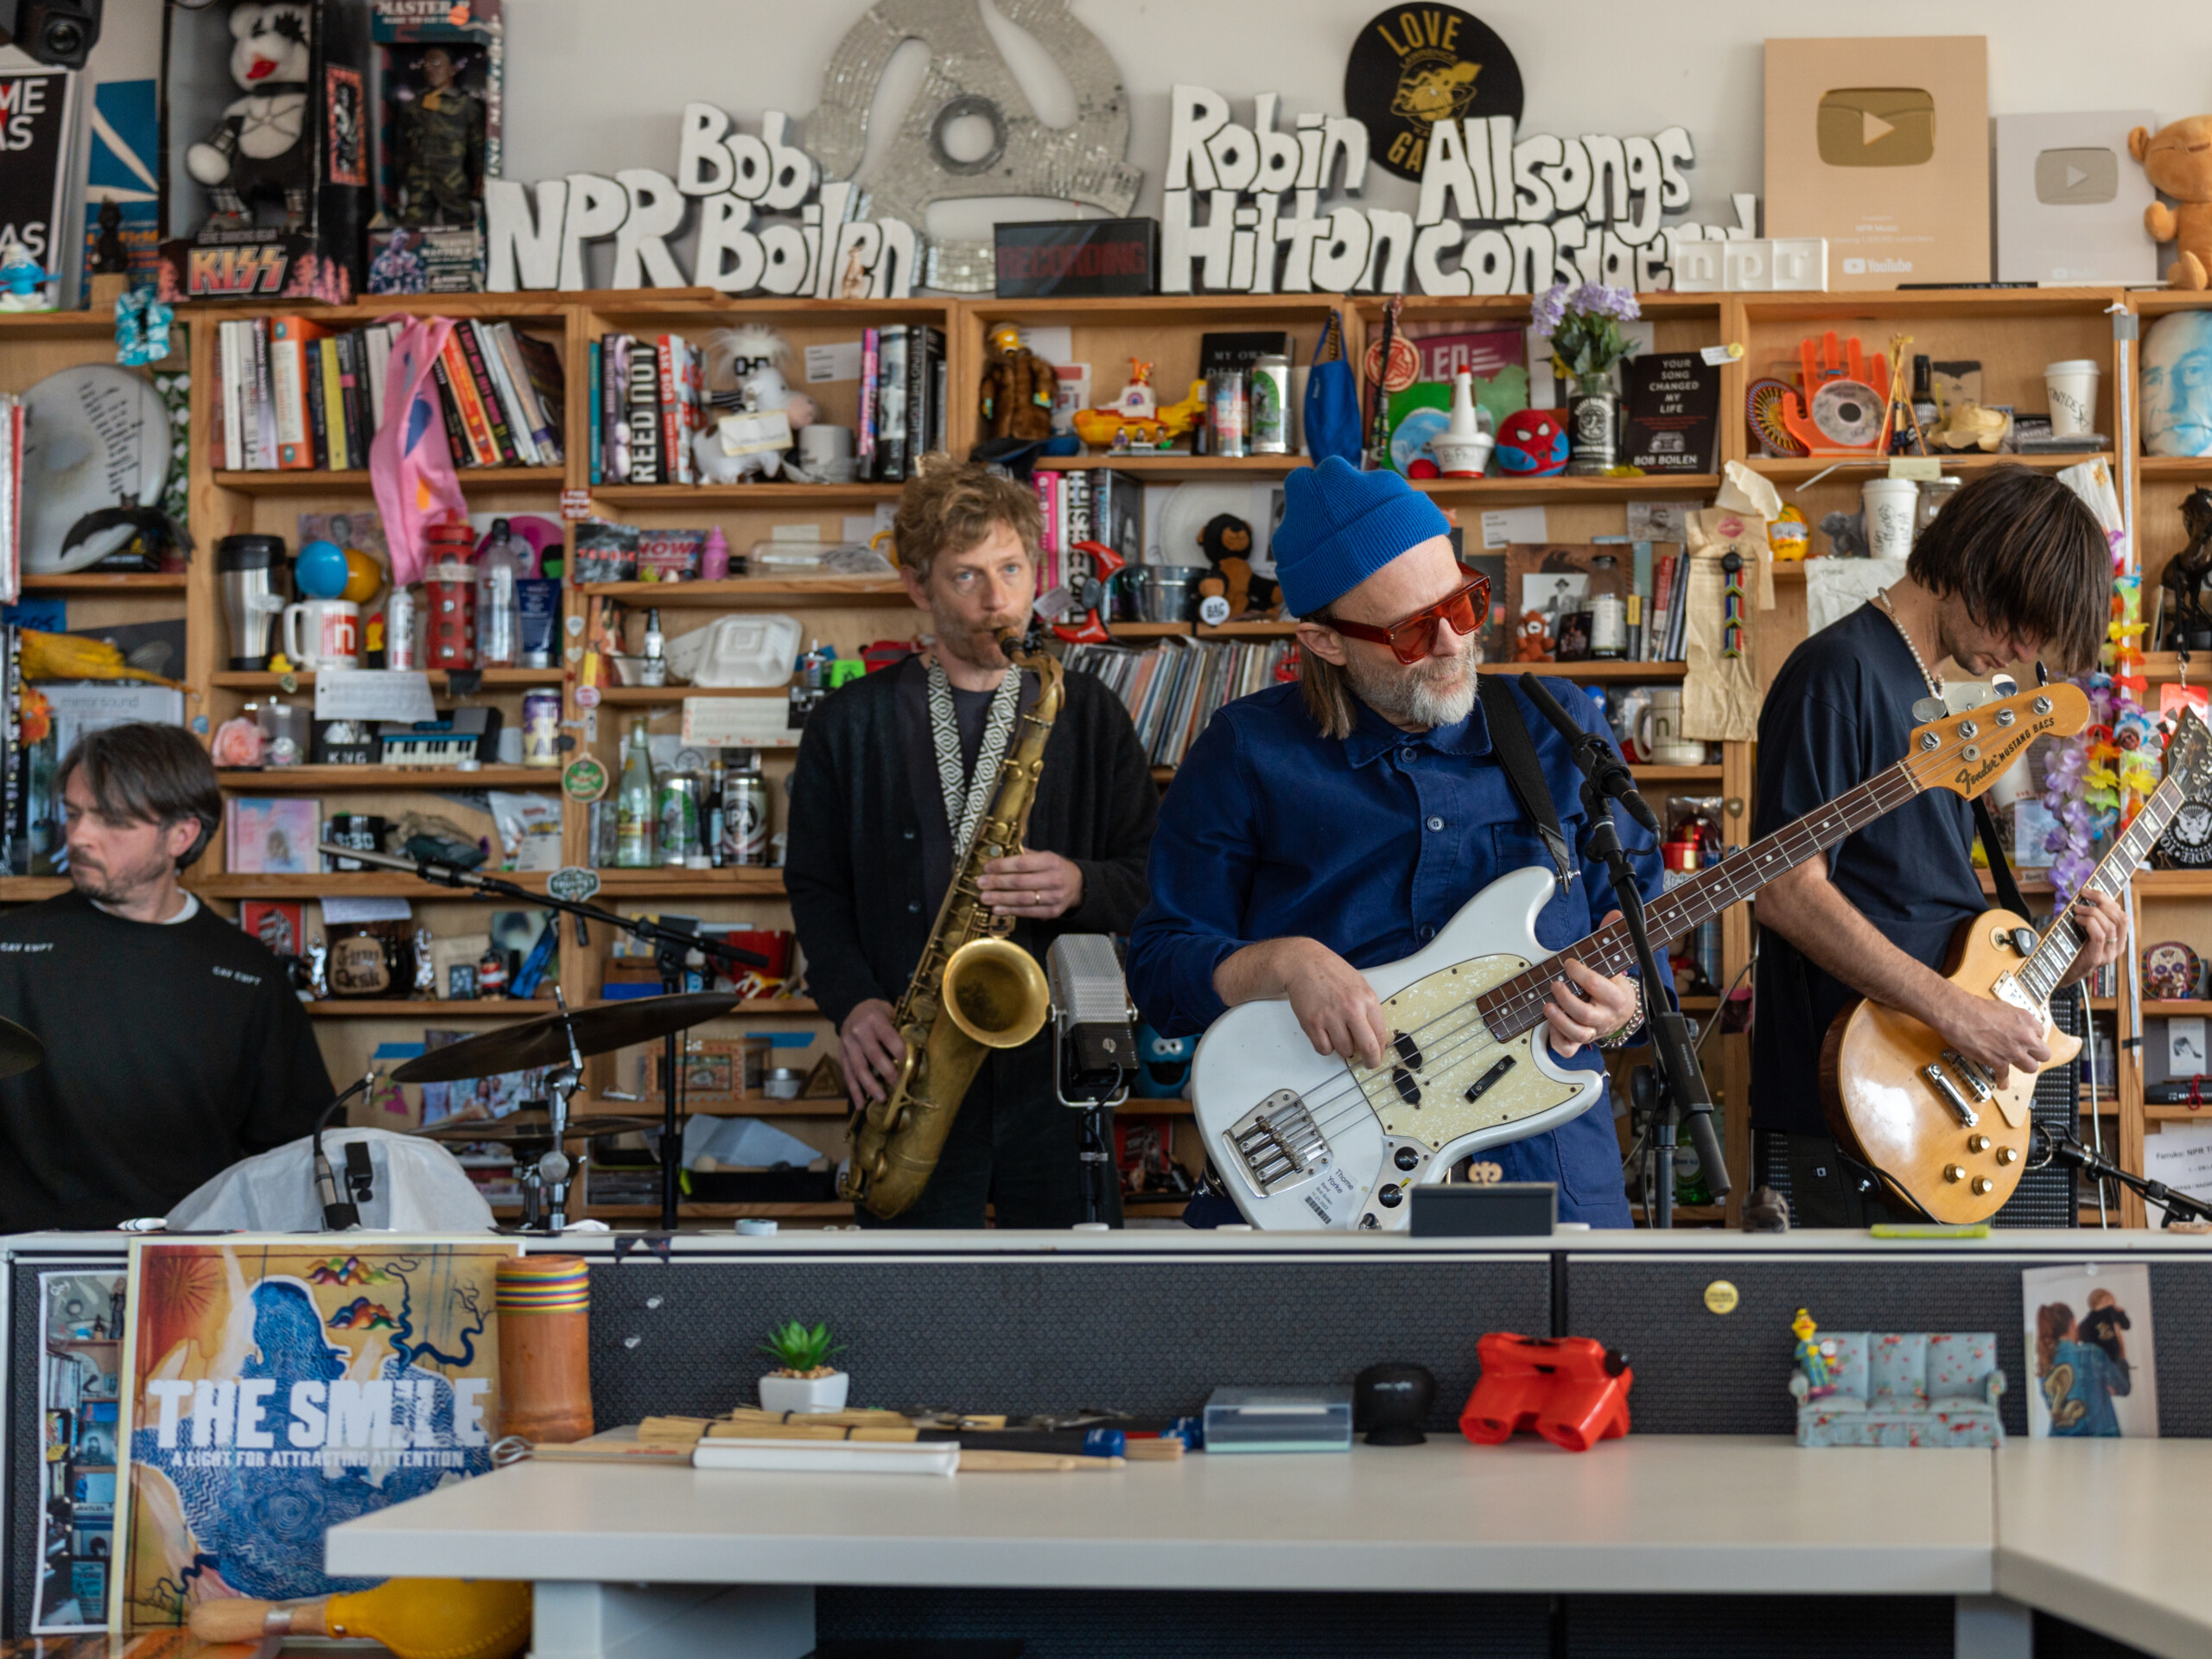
(964, 799)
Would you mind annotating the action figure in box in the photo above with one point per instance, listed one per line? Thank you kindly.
(438, 143)
(257, 149)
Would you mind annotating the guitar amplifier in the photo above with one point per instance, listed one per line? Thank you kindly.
(2045, 1197)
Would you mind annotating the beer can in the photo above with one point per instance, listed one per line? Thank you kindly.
(541, 726)
(401, 647)
(745, 819)
(1270, 404)
(1226, 411)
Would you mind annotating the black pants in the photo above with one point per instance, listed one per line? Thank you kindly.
(1013, 1146)
(1826, 1191)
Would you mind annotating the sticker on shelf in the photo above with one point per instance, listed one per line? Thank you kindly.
(837, 361)
(1717, 355)
(583, 779)
(1504, 527)
(1920, 468)
(588, 696)
(572, 884)
(575, 505)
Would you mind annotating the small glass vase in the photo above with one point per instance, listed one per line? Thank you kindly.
(1593, 412)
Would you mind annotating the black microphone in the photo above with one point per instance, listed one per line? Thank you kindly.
(1601, 764)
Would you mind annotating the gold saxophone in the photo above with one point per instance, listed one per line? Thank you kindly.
(989, 992)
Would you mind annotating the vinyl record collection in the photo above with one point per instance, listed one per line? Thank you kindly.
(1174, 688)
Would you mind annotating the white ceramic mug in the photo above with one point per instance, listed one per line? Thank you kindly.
(827, 452)
(323, 633)
(2072, 386)
(1891, 504)
(1658, 731)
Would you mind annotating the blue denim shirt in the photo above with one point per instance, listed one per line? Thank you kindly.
(1370, 845)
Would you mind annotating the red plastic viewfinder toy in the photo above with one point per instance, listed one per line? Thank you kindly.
(1572, 1390)
(1089, 592)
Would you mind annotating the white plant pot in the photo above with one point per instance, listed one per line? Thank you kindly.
(805, 1392)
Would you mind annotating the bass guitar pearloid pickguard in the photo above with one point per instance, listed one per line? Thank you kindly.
(1445, 1051)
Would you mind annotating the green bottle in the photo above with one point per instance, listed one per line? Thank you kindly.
(634, 804)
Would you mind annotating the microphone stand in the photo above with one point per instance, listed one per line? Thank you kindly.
(670, 945)
(1679, 1095)
(2057, 1145)
(339, 1211)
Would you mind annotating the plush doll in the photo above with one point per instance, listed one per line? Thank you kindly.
(744, 375)
(2179, 160)
(1532, 443)
(258, 148)
(1532, 641)
(1227, 543)
(1015, 400)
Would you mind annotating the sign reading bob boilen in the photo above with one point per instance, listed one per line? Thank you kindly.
(1415, 66)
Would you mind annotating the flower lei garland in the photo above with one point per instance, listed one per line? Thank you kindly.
(2094, 784)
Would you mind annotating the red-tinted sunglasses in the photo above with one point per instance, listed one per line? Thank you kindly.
(1465, 609)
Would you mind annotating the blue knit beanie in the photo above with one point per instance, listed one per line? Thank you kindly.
(1341, 525)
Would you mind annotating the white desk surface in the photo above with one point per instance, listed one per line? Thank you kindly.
(1648, 1513)
(2110, 1534)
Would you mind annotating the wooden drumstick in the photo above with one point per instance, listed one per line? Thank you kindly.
(1010, 1462)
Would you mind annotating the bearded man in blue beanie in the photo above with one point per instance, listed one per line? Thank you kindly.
(1340, 823)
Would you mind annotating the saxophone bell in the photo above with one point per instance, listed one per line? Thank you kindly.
(996, 992)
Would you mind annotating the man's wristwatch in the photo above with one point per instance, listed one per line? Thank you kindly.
(1618, 1037)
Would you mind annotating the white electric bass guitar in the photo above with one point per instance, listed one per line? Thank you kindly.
(1308, 1141)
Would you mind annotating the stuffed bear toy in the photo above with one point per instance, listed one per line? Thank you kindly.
(1229, 589)
(257, 150)
(2178, 159)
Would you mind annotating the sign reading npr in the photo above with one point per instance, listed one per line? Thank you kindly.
(766, 223)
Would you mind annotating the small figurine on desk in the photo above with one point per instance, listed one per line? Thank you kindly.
(426, 971)
(1532, 641)
(439, 143)
(22, 280)
(1812, 1356)
(319, 969)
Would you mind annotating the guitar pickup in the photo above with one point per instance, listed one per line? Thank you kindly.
(1277, 1143)
(1488, 1079)
(1980, 1081)
(1943, 1086)
(1409, 1089)
(1408, 1049)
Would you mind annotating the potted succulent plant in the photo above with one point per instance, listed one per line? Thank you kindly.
(1583, 324)
(802, 1381)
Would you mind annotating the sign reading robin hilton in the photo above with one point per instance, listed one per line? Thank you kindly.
(1413, 66)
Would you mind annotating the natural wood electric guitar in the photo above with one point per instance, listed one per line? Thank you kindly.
(1943, 1135)
(1301, 1140)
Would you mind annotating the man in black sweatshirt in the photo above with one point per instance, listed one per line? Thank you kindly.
(894, 770)
(174, 1045)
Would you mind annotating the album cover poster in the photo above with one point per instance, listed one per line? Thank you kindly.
(276, 1387)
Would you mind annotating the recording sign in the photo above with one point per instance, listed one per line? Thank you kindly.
(1415, 66)
(36, 122)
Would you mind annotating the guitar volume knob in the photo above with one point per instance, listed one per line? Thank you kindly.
(1953, 1173)
(2007, 1154)
(1983, 1185)
(1977, 1143)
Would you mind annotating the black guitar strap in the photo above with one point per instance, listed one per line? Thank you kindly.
(2001, 871)
(1524, 774)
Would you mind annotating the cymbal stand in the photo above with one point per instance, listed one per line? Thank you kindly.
(546, 1183)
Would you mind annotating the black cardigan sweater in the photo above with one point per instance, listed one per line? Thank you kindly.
(869, 856)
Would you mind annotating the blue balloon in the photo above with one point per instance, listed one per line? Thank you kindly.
(321, 572)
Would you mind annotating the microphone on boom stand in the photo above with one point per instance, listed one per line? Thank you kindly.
(1681, 1095)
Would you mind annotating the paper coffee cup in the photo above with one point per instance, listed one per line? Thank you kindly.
(1890, 503)
(2073, 389)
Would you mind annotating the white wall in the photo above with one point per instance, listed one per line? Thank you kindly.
(596, 85)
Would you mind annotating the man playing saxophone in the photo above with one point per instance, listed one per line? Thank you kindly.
(894, 770)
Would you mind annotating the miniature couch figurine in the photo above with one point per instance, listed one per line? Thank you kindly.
(1911, 1388)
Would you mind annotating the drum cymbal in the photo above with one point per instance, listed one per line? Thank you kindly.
(534, 1128)
(544, 1041)
(19, 1050)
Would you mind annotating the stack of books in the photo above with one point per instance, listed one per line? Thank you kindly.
(1173, 689)
(294, 394)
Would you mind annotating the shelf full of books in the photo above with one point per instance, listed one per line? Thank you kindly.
(1173, 688)
(298, 395)
(672, 409)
